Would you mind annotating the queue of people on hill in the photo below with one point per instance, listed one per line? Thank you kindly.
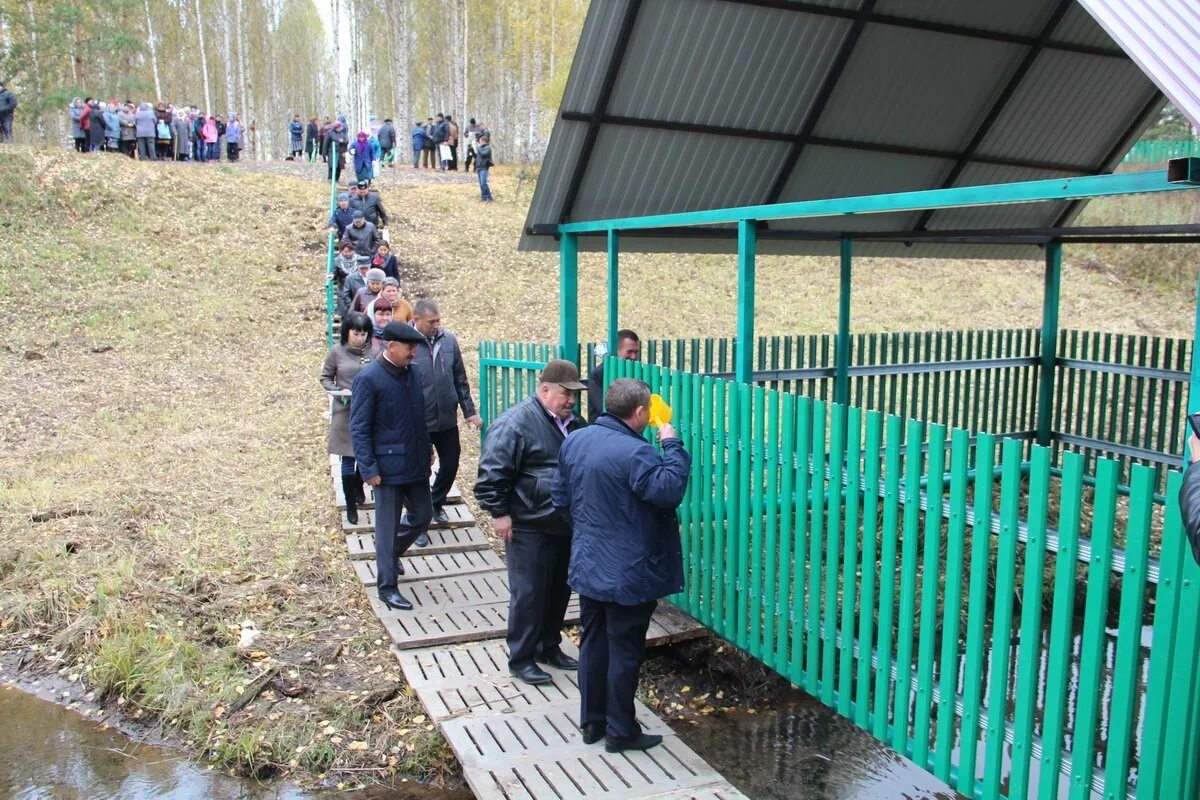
(162, 132)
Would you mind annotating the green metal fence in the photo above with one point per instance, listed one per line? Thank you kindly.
(1158, 152)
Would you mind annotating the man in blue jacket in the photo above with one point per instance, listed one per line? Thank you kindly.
(620, 496)
(391, 445)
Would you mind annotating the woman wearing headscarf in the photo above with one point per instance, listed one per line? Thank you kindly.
(146, 125)
(128, 120)
(233, 137)
(342, 363)
(296, 130)
(336, 138)
(311, 134)
(162, 131)
(79, 112)
(364, 157)
(181, 134)
(112, 127)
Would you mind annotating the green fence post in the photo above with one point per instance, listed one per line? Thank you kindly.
(614, 292)
(841, 380)
(568, 296)
(330, 304)
(743, 370)
(1050, 299)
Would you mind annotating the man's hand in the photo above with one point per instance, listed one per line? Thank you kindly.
(475, 420)
(503, 527)
(1194, 447)
(374, 481)
(666, 432)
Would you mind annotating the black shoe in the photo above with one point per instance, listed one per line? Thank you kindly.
(439, 516)
(399, 567)
(348, 482)
(422, 540)
(394, 600)
(531, 675)
(593, 732)
(559, 660)
(643, 741)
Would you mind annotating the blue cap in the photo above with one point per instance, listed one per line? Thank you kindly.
(343, 196)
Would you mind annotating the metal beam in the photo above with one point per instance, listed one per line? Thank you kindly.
(958, 197)
(614, 290)
(1010, 89)
(933, 26)
(841, 379)
(821, 100)
(606, 88)
(568, 297)
(821, 141)
(743, 367)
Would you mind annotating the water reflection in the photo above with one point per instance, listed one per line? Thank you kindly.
(51, 753)
(805, 751)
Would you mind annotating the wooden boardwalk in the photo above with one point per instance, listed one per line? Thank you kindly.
(514, 741)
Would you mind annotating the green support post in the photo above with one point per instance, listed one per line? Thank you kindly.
(330, 304)
(841, 380)
(614, 292)
(568, 296)
(743, 368)
(1049, 360)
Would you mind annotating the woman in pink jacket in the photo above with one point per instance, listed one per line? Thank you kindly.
(209, 134)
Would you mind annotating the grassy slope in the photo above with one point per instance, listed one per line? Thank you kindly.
(184, 468)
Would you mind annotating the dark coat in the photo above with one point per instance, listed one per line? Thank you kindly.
(372, 208)
(620, 496)
(386, 136)
(8, 101)
(418, 138)
(517, 465)
(311, 134)
(341, 219)
(387, 423)
(441, 132)
(1189, 507)
(364, 239)
(595, 392)
(444, 379)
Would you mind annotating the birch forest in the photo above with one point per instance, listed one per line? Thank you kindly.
(504, 62)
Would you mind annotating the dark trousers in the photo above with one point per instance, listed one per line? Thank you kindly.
(538, 594)
(470, 157)
(81, 144)
(610, 655)
(453, 164)
(395, 533)
(449, 449)
(431, 158)
(145, 146)
(6, 119)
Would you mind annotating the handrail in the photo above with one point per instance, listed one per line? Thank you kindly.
(330, 306)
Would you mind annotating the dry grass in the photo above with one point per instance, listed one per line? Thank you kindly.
(161, 416)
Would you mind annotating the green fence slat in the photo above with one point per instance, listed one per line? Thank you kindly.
(786, 554)
(741, 632)
(1123, 719)
(887, 573)
(1029, 658)
(708, 500)
(1059, 650)
(870, 539)
(800, 542)
(853, 450)
(812, 662)
(909, 556)
(770, 585)
(930, 572)
(977, 612)
(724, 459)
(947, 715)
(833, 555)
(693, 389)
(757, 510)
(1091, 660)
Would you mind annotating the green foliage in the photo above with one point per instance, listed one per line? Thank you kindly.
(1172, 125)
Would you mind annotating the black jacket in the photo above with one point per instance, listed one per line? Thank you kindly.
(1189, 506)
(517, 467)
(386, 136)
(444, 380)
(372, 208)
(8, 101)
(595, 392)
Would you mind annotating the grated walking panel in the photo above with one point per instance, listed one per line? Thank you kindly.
(441, 540)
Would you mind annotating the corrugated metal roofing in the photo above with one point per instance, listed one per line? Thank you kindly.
(678, 105)
(1162, 38)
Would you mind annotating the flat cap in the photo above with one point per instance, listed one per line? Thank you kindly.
(401, 332)
(564, 373)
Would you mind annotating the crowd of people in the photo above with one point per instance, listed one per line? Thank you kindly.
(580, 506)
(162, 132)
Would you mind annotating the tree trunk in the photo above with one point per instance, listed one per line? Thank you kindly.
(243, 103)
(466, 53)
(158, 92)
(337, 57)
(208, 106)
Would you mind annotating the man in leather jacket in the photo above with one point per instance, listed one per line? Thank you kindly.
(516, 469)
(1189, 498)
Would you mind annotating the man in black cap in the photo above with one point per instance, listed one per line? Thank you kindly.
(516, 468)
(363, 235)
(391, 446)
(364, 200)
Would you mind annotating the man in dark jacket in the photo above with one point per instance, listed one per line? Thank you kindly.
(1189, 498)
(516, 468)
(391, 446)
(444, 379)
(362, 234)
(342, 216)
(620, 496)
(430, 158)
(441, 133)
(629, 347)
(364, 200)
(387, 143)
(8, 106)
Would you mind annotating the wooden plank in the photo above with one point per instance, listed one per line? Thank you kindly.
(677, 625)
(418, 565)
(459, 517)
(441, 540)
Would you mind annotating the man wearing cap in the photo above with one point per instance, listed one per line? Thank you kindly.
(342, 216)
(516, 468)
(364, 200)
(362, 234)
(391, 446)
(355, 282)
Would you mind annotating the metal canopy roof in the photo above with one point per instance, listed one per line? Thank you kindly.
(684, 105)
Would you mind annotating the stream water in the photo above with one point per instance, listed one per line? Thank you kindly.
(49, 752)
